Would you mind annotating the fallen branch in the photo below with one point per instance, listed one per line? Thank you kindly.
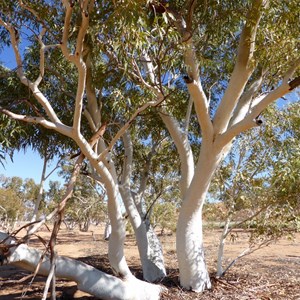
(88, 278)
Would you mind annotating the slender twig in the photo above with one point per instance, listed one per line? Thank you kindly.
(56, 227)
(247, 251)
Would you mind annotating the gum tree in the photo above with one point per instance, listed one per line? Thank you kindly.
(245, 93)
(207, 70)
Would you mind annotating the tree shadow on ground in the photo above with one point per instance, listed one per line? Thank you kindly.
(248, 279)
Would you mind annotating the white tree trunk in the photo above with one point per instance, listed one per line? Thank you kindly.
(88, 278)
(221, 247)
(149, 246)
(117, 237)
(116, 241)
(184, 150)
(107, 230)
(190, 252)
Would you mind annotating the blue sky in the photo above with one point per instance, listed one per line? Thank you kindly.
(7, 56)
(28, 165)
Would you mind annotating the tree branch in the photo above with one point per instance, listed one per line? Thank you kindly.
(244, 105)
(120, 133)
(34, 13)
(93, 110)
(88, 278)
(190, 14)
(42, 58)
(188, 116)
(65, 130)
(243, 68)
(81, 67)
(201, 106)
(193, 80)
(261, 103)
(65, 37)
(183, 146)
(294, 83)
(33, 86)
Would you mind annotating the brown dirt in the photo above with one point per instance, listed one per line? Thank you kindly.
(268, 274)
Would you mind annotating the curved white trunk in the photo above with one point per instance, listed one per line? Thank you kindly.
(149, 246)
(88, 278)
(151, 254)
(190, 252)
(106, 170)
(184, 149)
(107, 230)
(116, 241)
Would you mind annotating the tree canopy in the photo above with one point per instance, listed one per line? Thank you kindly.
(150, 92)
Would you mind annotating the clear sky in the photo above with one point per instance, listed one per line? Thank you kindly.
(7, 57)
(28, 165)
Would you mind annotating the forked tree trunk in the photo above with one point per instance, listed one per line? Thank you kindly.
(189, 238)
(88, 278)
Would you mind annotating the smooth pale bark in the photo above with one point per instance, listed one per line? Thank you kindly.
(88, 278)
(116, 241)
(107, 231)
(150, 250)
(149, 246)
(189, 225)
(184, 149)
(189, 238)
(243, 68)
(221, 247)
(106, 170)
(190, 252)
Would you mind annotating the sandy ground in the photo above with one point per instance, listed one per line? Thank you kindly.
(270, 273)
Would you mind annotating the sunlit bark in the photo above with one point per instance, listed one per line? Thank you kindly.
(148, 244)
(88, 279)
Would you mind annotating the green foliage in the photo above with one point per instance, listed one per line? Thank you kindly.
(16, 198)
(259, 181)
(119, 35)
(124, 36)
(86, 206)
(11, 206)
(164, 217)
